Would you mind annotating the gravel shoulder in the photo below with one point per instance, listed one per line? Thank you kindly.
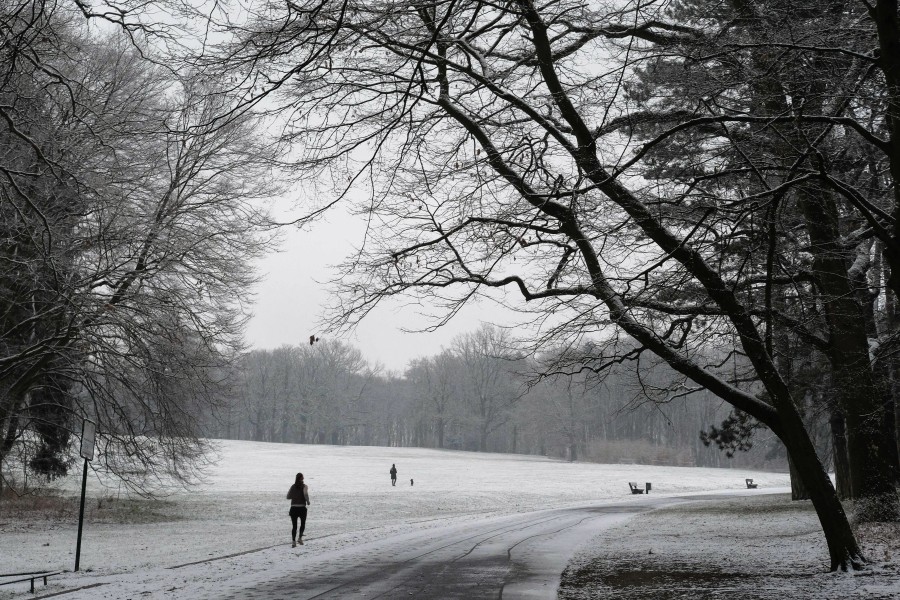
(710, 548)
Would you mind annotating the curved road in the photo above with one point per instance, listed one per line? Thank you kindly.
(515, 557)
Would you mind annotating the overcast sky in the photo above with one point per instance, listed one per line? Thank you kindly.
(291, 298)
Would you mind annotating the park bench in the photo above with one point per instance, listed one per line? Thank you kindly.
(31, 576)
(750, 484)
(635, 489)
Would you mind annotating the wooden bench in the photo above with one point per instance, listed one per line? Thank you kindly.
(750, 484)
(20, 577)
(635, 489)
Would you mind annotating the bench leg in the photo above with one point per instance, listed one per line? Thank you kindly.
(32, 585)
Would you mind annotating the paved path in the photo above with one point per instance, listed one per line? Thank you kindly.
(518, 557)
(509, 557)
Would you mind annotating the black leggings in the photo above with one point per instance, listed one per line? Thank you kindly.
(297, 511)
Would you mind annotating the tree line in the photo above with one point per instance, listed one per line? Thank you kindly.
(480, 394)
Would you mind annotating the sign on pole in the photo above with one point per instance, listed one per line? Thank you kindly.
(88, 435)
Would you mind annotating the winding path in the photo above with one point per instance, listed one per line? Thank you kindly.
(513, 557)
(508, 557)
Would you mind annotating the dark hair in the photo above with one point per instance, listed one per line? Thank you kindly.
(299, 479)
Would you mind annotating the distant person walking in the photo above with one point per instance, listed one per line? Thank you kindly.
(299, 497)
(393, 474)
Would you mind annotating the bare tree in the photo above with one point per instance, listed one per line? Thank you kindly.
(303, 394)
(487, 379)
(784, 113)
(130, 216)
(437, 380)
(486, 134)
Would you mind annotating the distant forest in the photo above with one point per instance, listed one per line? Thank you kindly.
(478, 395)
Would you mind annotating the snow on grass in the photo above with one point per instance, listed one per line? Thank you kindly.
(241, 506)
(755, 548)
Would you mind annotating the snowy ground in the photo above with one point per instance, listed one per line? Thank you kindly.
(242, 508)
(755, 548)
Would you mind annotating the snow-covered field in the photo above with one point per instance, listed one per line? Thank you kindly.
(762, 547)
(241, 506)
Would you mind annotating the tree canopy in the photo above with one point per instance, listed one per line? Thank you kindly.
(660, 167)
(128, 219)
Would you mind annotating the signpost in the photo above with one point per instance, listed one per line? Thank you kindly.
(88, 435)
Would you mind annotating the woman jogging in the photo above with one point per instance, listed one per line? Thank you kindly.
(299, 497)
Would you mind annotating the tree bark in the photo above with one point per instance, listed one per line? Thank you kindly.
(798, 489)
(887, 25)
(842, 546)
(13, 404)
(839, 453)
(873, 468)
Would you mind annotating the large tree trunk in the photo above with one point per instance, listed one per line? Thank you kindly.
(839, 453)
(887, 24)
(798, 489)
(842, 547)
(897, 424)
(12, 407)
(873, 467)
(889, 428)
(785, 420)
(886, 370)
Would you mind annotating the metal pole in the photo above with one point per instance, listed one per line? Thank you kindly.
(81, 515)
